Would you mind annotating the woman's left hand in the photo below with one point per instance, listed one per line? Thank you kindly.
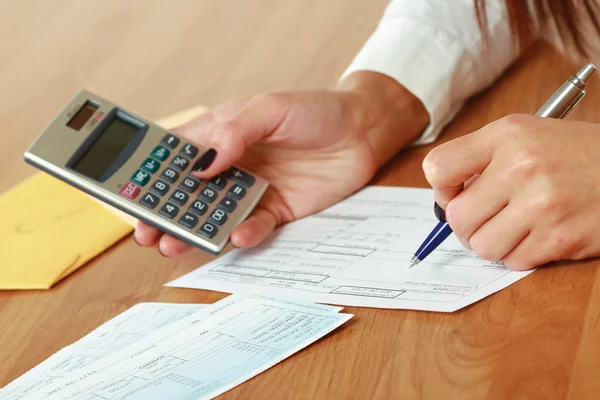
(524, 190)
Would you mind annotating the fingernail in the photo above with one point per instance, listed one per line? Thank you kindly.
(159, 251)
(439, 213)
(136, 241)
(205, 160)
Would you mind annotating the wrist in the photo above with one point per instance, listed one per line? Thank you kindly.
(386, 113)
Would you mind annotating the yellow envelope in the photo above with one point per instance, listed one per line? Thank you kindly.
(48, 229)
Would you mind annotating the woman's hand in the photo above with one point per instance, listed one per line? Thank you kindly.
(532, 194)
(313, 147)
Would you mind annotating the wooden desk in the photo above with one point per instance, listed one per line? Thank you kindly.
(539, 338)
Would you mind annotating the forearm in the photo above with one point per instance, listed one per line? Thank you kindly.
(389, 115)
(434, 51)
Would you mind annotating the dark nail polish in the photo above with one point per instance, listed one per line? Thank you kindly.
(439, 213)
(205, 160)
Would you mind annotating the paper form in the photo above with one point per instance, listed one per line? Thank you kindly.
(357, 253)
(126, 328)
(202, 355)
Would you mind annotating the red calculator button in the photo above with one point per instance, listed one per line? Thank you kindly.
(130, 190)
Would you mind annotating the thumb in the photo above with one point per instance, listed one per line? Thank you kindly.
(228, 138)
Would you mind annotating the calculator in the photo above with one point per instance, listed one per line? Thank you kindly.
(144, 170)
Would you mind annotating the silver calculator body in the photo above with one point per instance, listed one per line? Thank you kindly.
(144, 170)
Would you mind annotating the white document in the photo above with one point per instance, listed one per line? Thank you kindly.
(126, 328)
(202, 355)
(357, 253)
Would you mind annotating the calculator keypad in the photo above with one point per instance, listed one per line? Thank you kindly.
(188, 220)
(179, 197)
(198, 208)
(189, 185)
(169, 210)
(217, 183)
(189, 151)
(140, 177)
(240, 177)
(170, 175)
(150, 165)
(160, 153)
(207, 229)
(176, 194)
(160, 188)
(227, 204)
(150, 200)
(171, 141)
(237, 192)
(218, 217)
(130, 190)
(179, 163)
(208, 195)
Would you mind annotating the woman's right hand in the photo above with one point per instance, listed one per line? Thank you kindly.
(313, 147)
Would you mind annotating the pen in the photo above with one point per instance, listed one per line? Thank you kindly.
(558, 106)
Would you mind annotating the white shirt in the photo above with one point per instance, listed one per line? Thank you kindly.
(434, 49)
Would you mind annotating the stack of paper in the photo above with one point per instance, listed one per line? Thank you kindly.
(178, 351)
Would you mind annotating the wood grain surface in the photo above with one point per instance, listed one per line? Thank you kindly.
(539, 338)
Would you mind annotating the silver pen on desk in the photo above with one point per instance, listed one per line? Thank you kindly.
(557, 106)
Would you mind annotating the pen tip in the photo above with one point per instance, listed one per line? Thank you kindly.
(414, 261)
(586, 72)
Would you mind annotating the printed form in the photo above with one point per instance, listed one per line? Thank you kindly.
(357, 253)
(126, 328)
(202, 355)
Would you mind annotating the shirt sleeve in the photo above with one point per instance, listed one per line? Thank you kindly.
(434, 48)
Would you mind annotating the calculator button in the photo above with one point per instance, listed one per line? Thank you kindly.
(130, 190)
(171, 141)
(179, 163)
(237, 192)
(207, 229)
(217, 183)
(218, 217)
(198, 207)
(160, 188)
(170, 175)
(188, 151)
(227, 204)
(240, 177)
(169, 210)
(160, 153)
(140, 177)
(188, 220)
(189, 185)
(150, 200)
(179, 197)
(194, 177)
(151, 165)
(208, 195)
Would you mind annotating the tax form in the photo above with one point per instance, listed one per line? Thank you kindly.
(357, 253)
(201, 355)
(126, 328)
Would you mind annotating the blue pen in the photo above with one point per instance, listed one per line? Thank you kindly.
(558, 106)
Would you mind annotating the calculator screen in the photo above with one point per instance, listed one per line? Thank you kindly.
(106, 148)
